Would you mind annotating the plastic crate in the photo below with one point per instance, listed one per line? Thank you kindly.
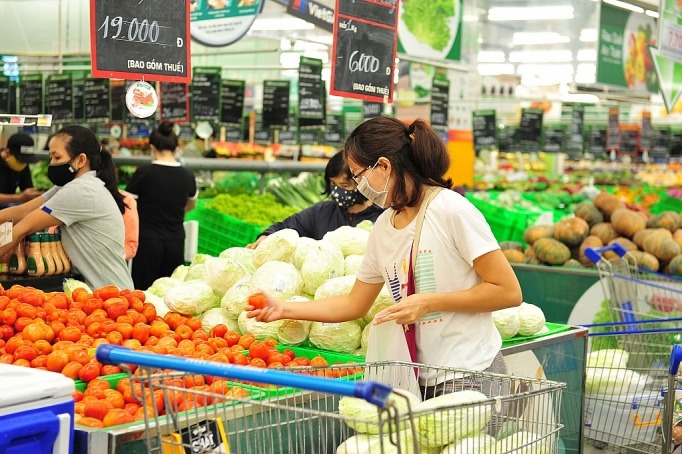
(553, 328)
(218, 231)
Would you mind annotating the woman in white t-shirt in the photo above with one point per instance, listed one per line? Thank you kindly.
(461, 275)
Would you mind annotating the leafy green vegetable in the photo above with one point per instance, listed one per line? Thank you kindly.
(253, 209)
(427, 20)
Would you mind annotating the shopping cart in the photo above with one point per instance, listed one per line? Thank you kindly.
(672, 416)
(301, 414)
(635, 293)
(626, 375)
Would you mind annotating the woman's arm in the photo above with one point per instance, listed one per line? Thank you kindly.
(32, 222)
(17, 213)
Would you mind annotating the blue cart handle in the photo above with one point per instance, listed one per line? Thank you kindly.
(675, 358)
(373, 392)
(595, 254)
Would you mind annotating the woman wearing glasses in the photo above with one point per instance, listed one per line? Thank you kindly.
(461, 275)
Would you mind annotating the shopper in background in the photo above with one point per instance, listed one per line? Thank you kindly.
(165, 191)
(461, 275)
(85, 202)
(131, 223)
(15, 172)
(347, 207)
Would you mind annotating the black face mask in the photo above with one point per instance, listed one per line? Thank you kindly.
(61, 174)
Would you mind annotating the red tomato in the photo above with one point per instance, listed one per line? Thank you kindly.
(257, 300)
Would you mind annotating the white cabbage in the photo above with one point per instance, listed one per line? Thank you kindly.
(241, 255)
(351, 240)
(294, 332)
(195, 272)
(302, 247)
(362, 444)
(365, 225)
(221, 274)
(507, 322)
(351, 264)
(364, 338)
(322, 261)
(341, 337)
(613, 358)
(335, 287)
(213, 317)
(160, 286)
(280, 280)
(199, 259)
(363, 416)
(157, 301)
(470, 445)
(180, 272)
(531, 318)
(236, 297)
(260, 330)
(607, 381)
(384, 300)
(279, 246)
(70, 285)
(191, 298)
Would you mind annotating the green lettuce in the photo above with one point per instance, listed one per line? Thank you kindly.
(427, 20)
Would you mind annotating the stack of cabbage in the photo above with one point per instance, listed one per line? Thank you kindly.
(607, 374)
(285, 266)
(524, 320)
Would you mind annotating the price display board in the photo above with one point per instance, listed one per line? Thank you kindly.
(506, 139)
(335, 132)
(484, 129)
(363, 55)
(310, 89)
(96, 100)
(232, 105)
(118, 99)
(206, 93)
(660, 145)
(675, 144)
(136, 39)
(575, 140)
(78, 87)
(646, 132)
(596, 143)
(530, 129)
(31, 94)
(60, 97)
(613, 131)
(261, 134)
(440, 95)
(629, 140)
(174, 100)
(275, 103)
(4, 94)
(553, 140)
(372, 109)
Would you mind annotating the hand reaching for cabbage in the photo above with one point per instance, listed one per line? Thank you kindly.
(264, 308)
(408, 310)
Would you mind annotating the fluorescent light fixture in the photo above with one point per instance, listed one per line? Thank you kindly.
(585, 98)
(470, 18)
(588, 35)
(504, 13)
(490, 56)
(650, 13)
(290, 23)
(529, 38)
(541, 56)
(544, 70)
(494, 69)
(586, 55)
(289, 60)
(625, 5)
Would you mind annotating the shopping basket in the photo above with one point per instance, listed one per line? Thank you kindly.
(627, 371)
(635, 293)
(672, 415)
(306, 418)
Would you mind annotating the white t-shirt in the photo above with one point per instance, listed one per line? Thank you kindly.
(453, 235)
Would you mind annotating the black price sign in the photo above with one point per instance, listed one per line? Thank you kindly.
(13, 88)
(629, 140)
(78, 86)
(440, 95)
(261, 135)
(507, 138)
(596, 143)
(310, 89)
(232, 96)
(613, 131)
(363, 58)
(675, 144)
(135, 39)
(575, 140)
(530, 129)
(372, 109)
(275, 103)
(60, 97)
(4, 95)
(335, 129)
(485, 129)
(96, 100)
(660, 145)
(174, 102)
(31, 94)
(118, 100)
(206, 93)
(645, 139)
(554, 140)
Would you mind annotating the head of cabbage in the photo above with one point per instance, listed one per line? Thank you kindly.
(323, 261)
(221, 274)
(279, 279)
(279, 246)
(260, 330)
(338, 337)
(191, 298)
(240, 255)
(236, 297)
(351, 240)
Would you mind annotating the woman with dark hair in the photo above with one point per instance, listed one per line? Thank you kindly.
(165, 191)
(347, 207)
(85, 203)
(460, 275)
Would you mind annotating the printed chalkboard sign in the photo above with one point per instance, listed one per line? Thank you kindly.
(78, 86)
(310, 90)
(174, 101)
(506, 138)
(553, 140)
(118, 99)
(613, 131)
(31, 94)
(575, 140)
(596, 143)
(660, 145)
(530, 129)
(484, 129)
(4, 94)
(372, 109)
(629, 140)
(232, 95)
(96, 100)
(334, 134)
(275, 103)
(135, 39)
(363, 56)
(60, 97)
(440, 94)
(206, 94)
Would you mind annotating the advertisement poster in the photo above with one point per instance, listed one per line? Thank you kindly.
(623, 57)
(667, 56)
(222, 22)
(431, 29)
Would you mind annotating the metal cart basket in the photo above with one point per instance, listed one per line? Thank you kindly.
(307, 410)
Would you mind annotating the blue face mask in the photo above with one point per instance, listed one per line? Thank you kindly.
(345, 198)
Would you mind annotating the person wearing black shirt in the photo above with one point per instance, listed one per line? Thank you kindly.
(14, 171)
(164, 191)
(347, 207)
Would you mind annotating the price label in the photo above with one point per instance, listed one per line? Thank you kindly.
(5, 233)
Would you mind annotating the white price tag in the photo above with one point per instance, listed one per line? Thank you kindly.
(5, 233)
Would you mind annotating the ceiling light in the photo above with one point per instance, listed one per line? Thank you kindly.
(470, 18)
(524, 38)
(494, 69)
(625, 5)
(530, 13)
(541, 56)
(586, 55)
(544, 69)
(491, 56)
(588, 35)
(290, 23)
(650, 13)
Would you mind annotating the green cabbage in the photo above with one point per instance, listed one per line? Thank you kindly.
(613, 358)
(160, 286)
(279, 246)
(191, 298)
(70, 285)
(157, 301)
(606, 381)
(339, 337)
(428, 21)
(221, 274)
(260, 330)
(323, 261)
(335, 287)
(195, 272)
(294, 332)
(365, 225)
(531, 318)
(363, 444)
(351, 264)
(180, 272)
(351, 240)
(281, 280)
(473, 444)
(213, 317)
(382, 301)
(524, 443)
(507, 322)
(363, 416)
(302, 247)
(241, 255)
(236, 297)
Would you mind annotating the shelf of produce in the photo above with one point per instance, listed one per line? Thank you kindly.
(45, 283)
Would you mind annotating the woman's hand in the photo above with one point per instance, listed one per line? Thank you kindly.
(409, 310)
(255, 244)
(264, 308)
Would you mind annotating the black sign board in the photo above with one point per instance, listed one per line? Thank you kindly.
(553, 140)
(440, 95)
(335, 132)
(206, 93)
(78, 87)
(363, 57)
(13, 88)
(484, 129)
(96, 100)
(372, 109)
(351, 120)
(118, 99)
(140, 39)
(60, 97)
(676, 144)
(232, 95)
(31, 94)
(646, 132)
(174, 100)
(574, 139)
(262, 135)
(629, 140)
(275, 103)
(4, 94)
(596, 143)
(660, 144)
(313, 12)
(530, 129)
(506, 138)
(612, 131)
(310, 89)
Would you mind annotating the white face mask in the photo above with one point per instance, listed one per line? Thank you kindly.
(376, 197)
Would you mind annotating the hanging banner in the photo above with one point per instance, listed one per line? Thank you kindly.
(667, 57)
(313, 12)
(431, 29)
(222, 22)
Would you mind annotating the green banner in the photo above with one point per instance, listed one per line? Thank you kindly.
(623, 57)
(667, 56)
(431, 29)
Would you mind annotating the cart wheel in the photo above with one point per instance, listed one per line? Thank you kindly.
(598, 444)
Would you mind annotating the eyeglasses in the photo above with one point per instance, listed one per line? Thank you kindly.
(356, 178)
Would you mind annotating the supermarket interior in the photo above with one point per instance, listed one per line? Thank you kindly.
(341, 226)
